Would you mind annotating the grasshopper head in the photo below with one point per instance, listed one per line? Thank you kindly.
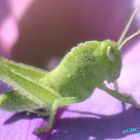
(112, 60)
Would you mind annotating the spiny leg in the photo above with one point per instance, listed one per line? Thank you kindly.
(120, 96)
(57, 103)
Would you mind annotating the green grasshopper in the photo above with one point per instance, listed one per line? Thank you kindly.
(83, 69)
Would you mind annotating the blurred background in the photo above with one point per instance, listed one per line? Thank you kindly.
(39, 32)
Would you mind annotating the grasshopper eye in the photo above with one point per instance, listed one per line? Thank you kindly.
(110, 53)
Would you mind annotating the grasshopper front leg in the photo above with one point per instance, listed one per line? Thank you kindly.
(120, 96)
(60, 102)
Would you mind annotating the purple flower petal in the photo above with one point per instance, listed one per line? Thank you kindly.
(18, 127)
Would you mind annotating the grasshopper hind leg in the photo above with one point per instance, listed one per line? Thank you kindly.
(16, 102)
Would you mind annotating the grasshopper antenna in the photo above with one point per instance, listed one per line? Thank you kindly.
(122, 40)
